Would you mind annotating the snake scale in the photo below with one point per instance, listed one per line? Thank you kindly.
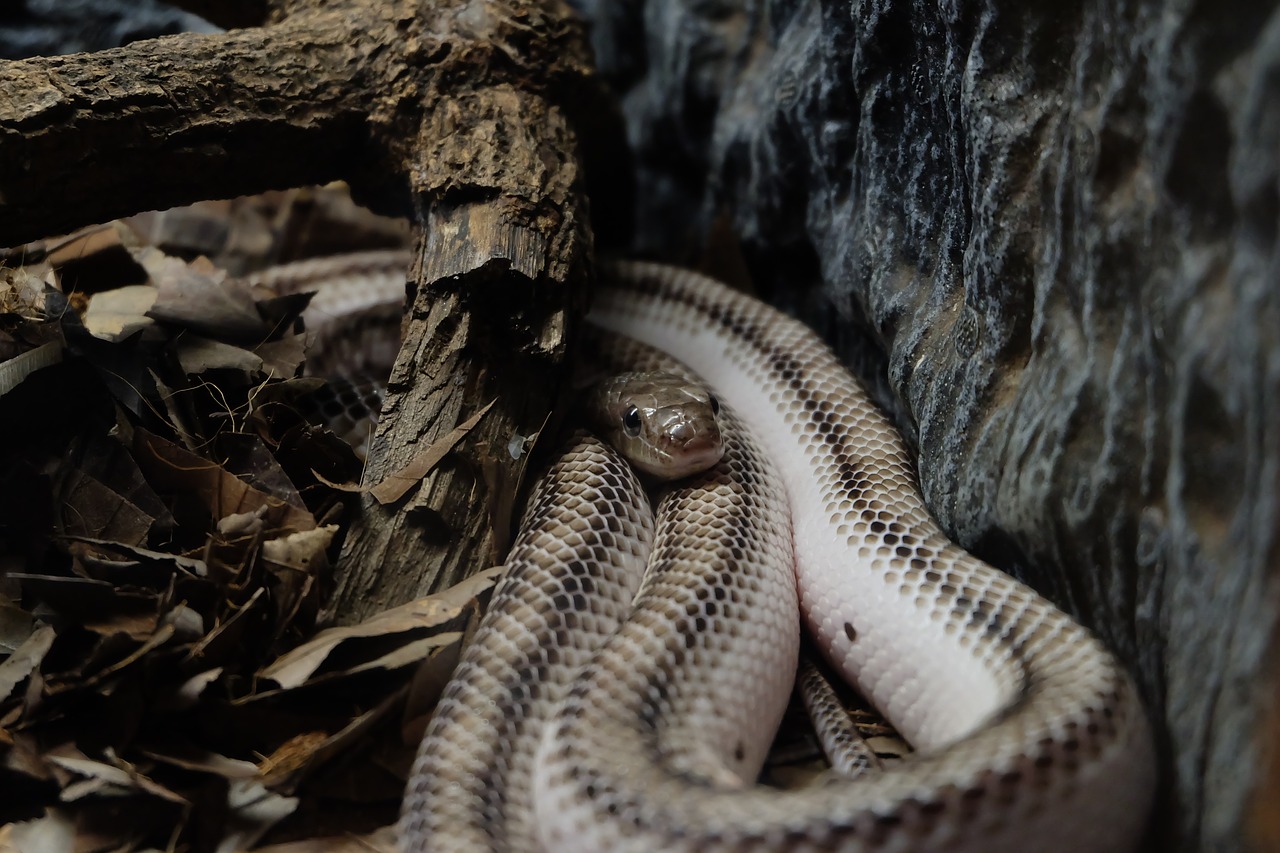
(1029, 734)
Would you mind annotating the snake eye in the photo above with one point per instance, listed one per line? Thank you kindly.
(715, 404)
(631, 421)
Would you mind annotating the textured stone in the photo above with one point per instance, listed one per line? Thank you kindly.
(47, 27)
(1058, 224)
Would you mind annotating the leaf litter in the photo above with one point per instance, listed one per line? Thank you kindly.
(167, 531)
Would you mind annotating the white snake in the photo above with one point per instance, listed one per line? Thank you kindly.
(1030, 735)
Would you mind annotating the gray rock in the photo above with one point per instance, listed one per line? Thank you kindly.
(1058, 223)
(49, 27)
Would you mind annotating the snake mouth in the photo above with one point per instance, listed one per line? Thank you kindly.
(695, 454)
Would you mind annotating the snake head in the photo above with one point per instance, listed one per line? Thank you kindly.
(663, 424)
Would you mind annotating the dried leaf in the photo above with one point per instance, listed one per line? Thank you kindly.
(380, 841)
(301, 550)
(398, 483)
(283, 358)
(201, 297)
(206, 762)
(120, 775)
(92, 508)
(131, 565)
(19, 665)
(114, 315)
(431, 614)
(254, 811)
(190, 691)
(199, 355)
(16, 369)
(187, 557)
(283, 770)
(171, 468)
(55, 832)
(103, 495)
(16, 624)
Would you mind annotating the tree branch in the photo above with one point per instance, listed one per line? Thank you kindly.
(468, 109)
(488, 325)
(89, 137)
(323, 94)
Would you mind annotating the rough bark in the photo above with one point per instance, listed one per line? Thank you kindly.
(466, 113)
(1058, 223)
(477, 332)
(167, 121)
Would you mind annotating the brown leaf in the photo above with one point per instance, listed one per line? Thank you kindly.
(197, 355)
(289, 766)
(254, 811)
(115, 314)
(103, 495)
(203, 761)
(434, 614)
(201, 297)
(93, 509)
(380, 841)
(169, 467)
(283, 358)
(15, 669)
(99, 775)
(398, 483)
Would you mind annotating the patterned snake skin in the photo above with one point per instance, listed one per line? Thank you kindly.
(1029, 734)
(571, 574)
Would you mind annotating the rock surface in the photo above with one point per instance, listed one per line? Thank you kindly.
(1058, 223)
(47, 27)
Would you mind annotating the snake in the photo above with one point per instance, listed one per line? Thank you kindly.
(622, 688)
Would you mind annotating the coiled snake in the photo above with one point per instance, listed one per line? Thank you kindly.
(1030, 735)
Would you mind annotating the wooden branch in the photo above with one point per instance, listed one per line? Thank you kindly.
(322, 94)
(89, 137)
(488, 325)
(468, 108)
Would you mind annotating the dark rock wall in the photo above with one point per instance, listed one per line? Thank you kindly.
(1058, 222)
(47, 27)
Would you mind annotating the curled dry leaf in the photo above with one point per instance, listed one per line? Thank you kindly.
(175, 539)
(116, 314)
(200, 297)
(435, 616)
(176, 469)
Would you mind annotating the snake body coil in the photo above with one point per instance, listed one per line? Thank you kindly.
(1030, 736)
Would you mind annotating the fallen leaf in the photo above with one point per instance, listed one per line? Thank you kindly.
(382, 840)
(300, 664)
(19, 665)
(169, 467)
(396, 484)
(199, 355)
(18, 368)
(201, 297)
(115, 314)
(254, 810)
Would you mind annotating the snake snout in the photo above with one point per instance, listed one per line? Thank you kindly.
(696, 449)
